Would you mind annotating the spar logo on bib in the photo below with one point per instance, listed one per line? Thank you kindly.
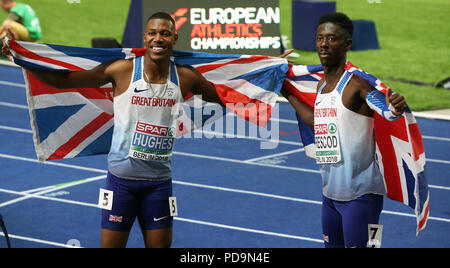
(321, 129)
(152, 129)
(332, 128)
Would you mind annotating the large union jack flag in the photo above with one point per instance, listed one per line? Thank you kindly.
(76, 122)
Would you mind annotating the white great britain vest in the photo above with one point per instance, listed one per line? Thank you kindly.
(145, 122)
(345, 147)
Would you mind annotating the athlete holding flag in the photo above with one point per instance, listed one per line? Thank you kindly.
(139, 177)
(148, 92)
(343, 124)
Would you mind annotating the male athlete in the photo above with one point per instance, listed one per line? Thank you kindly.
(139, 160)
(342, 120)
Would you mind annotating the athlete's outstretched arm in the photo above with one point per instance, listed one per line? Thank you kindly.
(192, 80)
(95, 77)
(75, 79)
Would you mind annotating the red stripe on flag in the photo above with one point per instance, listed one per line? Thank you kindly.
(188, 96)
(81, 136)
(384, 131)
(290, 72)
(210, 67)
(138, 51)
(423, 221)
(416, 141)
(308, 98)
(31, 55)
(252, 110)
(349, 65)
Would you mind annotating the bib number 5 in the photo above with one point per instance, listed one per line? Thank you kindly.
(105, 199)
(173, 206)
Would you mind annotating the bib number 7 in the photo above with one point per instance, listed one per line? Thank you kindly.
(375, 235)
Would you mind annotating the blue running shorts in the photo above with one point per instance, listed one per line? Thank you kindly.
(345, 223)
(146, 200)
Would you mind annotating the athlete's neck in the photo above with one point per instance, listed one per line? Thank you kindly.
(157, 71)
(332, 73)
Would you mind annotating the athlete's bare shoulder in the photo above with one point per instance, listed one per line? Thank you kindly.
(119, 66)
(187, 71)
(188, 78)
(121, 72)
(354, 96)
(191, 80)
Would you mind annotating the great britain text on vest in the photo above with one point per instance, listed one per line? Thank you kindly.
(325, 112)
(153, 102)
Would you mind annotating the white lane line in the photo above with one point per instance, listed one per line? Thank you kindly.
(217, 225)
(439, 187)
(438, 161)
(49, 198)
(12, 84)
(51, 163)
(53, 188)
(274, 155)
(16, 129)
(246, 163)
(246, 192)
(13, 105)
(40, 241)
(435, 138)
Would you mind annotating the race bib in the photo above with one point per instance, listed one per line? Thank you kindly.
(326, 133)
(152, 142)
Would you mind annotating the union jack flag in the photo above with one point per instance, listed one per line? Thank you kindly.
(400, 152)
(114, 218)
(82, 119)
